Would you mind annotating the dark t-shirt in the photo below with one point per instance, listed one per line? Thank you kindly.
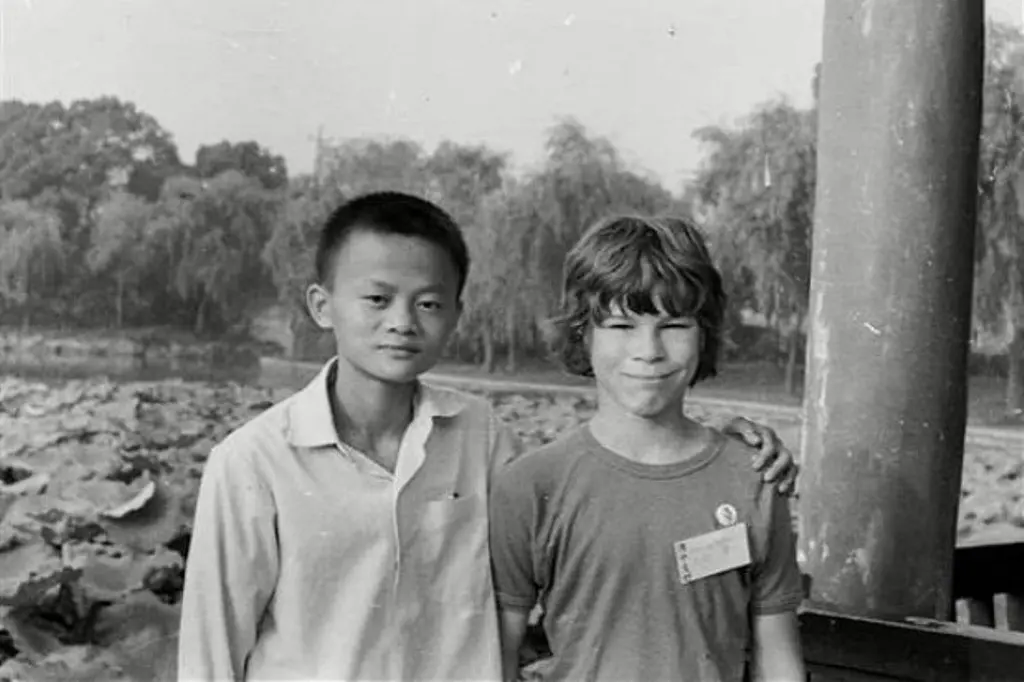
(593, 536)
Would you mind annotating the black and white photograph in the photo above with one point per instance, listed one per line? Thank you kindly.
(512, 340)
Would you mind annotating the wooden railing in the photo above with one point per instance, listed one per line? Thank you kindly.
(988, 582)
(840, 648)
(986, 644)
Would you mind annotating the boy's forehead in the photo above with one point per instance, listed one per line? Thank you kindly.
(621, 308)
(371, 254)
(366, 238)
(633, 315)
(370, 247)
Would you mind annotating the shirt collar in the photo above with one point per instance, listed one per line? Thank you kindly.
(310, 423)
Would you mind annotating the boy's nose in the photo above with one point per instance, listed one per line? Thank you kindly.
(401, 320)
(648, 346)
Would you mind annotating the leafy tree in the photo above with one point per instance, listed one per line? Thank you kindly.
(289, 256)
(213, 234)
(582, 180)
(121, 245)
(68, 160)
(248, 158)
(757, 186)
(498, 291)
(358, 166)
(73, 156)
(31, 255)
(460, 176)
(999, 282)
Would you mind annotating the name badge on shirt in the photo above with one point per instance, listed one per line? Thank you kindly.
(712, 553)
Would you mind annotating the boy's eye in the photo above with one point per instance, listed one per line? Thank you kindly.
(432, 306)
(618, 325)
(678, 324)
(376, 300)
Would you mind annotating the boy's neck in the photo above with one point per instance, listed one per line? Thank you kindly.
(667, 439)
(367, 411)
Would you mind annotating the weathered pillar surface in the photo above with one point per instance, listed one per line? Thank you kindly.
(900, 108)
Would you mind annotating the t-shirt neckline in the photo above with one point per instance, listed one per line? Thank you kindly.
(660, 471)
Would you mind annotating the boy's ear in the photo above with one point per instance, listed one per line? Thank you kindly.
(317, 300)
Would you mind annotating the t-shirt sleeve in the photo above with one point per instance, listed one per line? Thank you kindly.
(777, 583)
(512, 513)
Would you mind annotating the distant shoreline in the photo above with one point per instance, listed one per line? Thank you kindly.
(150, 344)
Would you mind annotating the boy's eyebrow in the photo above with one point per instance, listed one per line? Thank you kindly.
(629, 316)
(439, 287)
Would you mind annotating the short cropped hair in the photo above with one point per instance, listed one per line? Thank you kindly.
(643, 265)
(391, 213)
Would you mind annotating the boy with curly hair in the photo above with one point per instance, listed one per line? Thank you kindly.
(656, 553)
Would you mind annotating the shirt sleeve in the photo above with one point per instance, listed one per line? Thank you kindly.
(777, 583)
(231, 569)
(512, 514)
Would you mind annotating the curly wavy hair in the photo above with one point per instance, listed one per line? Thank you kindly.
(645, 265)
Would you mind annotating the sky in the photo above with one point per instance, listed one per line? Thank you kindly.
(644, 73)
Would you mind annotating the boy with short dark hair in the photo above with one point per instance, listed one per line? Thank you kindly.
(342, 534)
(654, 551)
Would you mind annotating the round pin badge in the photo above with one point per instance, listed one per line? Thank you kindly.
(726, 514)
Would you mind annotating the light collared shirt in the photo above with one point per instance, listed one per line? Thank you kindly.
(308, 561)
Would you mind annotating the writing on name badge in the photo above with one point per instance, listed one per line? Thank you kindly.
(712, 553)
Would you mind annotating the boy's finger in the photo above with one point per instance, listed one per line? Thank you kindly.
(770, 449)
(747, 430)
(787, 481)
(788, 485)
(783, 461)
(763, 456)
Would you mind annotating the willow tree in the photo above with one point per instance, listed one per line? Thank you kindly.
(999, 281)
(583, 179)
(214, 233)
(756, 186)
(120, 245)
(31, 255)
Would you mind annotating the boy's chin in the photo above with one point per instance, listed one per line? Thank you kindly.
(651, 412)
(395, 376)
(388, 373)
(403, 373)
(651, 409)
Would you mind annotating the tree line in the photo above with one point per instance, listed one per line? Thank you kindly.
(103, 225)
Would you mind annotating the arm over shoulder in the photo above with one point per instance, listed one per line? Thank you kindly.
(231, 570)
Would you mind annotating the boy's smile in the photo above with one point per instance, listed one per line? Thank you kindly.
(643, 364)
(398, 350)
(392, 303)
(651, 378)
